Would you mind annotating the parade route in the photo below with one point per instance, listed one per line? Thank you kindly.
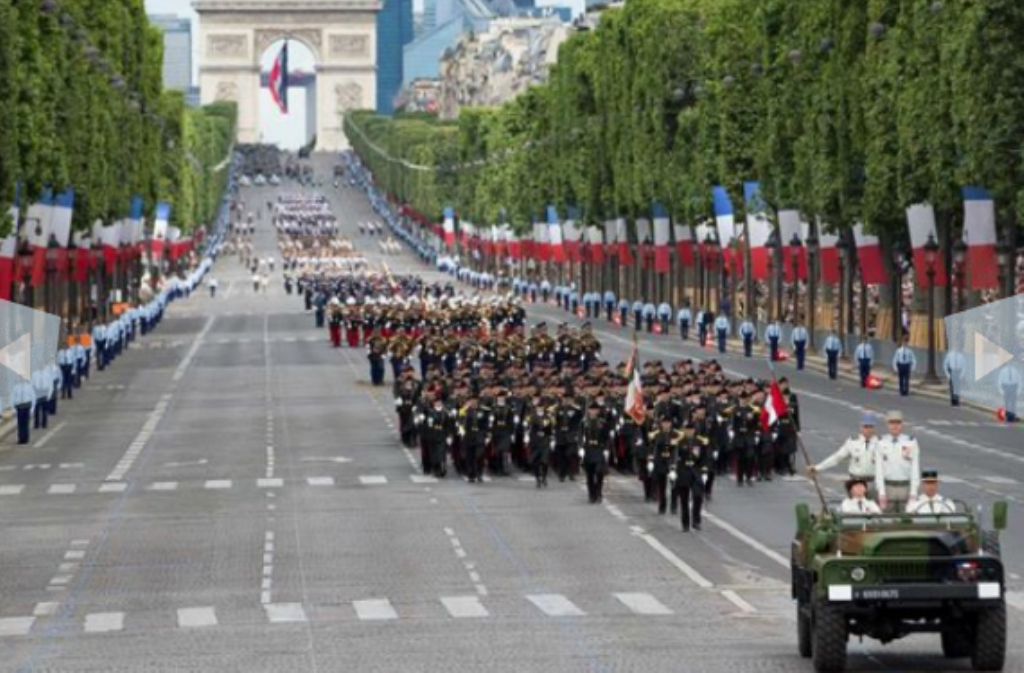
(233, 496)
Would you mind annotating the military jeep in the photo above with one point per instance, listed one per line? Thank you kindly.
(887, 576)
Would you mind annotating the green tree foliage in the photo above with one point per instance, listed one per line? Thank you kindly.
(82, 95)
(846, 110)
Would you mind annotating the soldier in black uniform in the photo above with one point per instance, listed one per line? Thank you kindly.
(407, 399)
(566, 436)
(540, 429)
(503, 430)
(788, 427)
(376, 348)
(692, 470)
(436, 430)
(474, 427)
(594, 451)
(661, 459)
(745, 440)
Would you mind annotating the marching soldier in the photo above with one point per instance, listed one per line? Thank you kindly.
(334, 322)
(954, 366)
(376, 349)
(799, 338)
(904, 363)
(503, 428)
(661, 459)
(566, 437)
(692, 471)
(594, 451)
(436, 432)
(474, 428)
(897, 466)
(407, 400)
(539, 436)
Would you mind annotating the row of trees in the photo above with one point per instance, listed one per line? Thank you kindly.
(83, 106)
(848, 111)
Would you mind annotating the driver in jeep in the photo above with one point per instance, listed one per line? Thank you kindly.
(929, 501)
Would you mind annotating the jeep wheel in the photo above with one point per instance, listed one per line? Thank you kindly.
(990, 639)
(803, 630)
(828, 643)
(956, 644)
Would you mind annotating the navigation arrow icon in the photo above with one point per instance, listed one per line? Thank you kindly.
(988, 356)
(17, 357)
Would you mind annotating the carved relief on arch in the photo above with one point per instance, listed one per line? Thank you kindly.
(311, 37)
(226, 91)
(348, 96)
(235, 46)
(349, 45)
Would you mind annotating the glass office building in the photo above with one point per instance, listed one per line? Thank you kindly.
(394, 31)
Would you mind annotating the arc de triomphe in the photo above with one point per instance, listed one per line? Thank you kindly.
(341, 34)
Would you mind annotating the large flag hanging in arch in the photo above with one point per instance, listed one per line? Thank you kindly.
(279, 79)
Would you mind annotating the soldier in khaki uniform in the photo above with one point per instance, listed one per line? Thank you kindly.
(860, 451)
(897, 466)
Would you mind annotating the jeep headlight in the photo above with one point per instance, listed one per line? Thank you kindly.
(858, 574)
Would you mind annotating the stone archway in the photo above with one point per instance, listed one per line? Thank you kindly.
(341, 34)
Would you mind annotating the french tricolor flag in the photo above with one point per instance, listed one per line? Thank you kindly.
(555, 235)
(622, 236)
(662, 229)
(828, 257)
(163, 214)
(725, 220)
(869, 254)
(611, 230)
(595, 237)
(279, 79)
(37, 232)
(541, 242)
(644, 246)
(572, 235)
(921, 223)
(980, 237)
(449, 228)
(9, 249)
(684, 243)
(758, 230)
(135, 223)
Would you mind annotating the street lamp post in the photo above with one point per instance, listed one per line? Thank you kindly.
(897, 293)
(959, 259)
(711, 246)
(773, 245)
(1003, 255)
(794, 252)
(813, 248)
(931, 255)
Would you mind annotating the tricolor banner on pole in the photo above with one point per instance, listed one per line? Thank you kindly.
(921, 223)
(163, 214)
(869, 255)
(684, 243)
(449, 228)
(279, 79)
(555, 235)
(790, 226)
(662, 228)
(758, 230)
(828, 256)
(980, 237)
(635, 392)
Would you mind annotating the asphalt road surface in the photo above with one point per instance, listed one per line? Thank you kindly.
(232, 496)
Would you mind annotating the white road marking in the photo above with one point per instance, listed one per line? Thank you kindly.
(12, 489)
(217, 484)
(463, 607)
(555, 605)
(104, 622)
(164, 486)
(79, 543)
(643, 604)
(998, 480)
(189, 618)
(62, 489)
(57, 428)
(74, 555)
(270, 482)
(60, 580)
(738, 601)
(681, 565)
(372, 480)
(320, 481)
(374, 609)
(16, 626)
(46, 609)
(423, 479)
(280, 613)
(113, 487)
(67, 567)
(71, 466)
(749, 541)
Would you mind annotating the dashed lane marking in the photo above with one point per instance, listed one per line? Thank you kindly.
(196, 617)
(643, 604)
(555, 605)
(374, 609)
(464, 607)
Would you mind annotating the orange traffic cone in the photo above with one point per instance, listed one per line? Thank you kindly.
(874, 383)
(617, 319)
(783, 355)
(657, 328)
(1001, 415)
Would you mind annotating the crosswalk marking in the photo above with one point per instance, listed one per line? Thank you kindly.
(218, 483)
(62, 489)
(320, 481)
(114, 487)
(196, 617)
(461, 607)
(643, 604)
(423, 479)
(16, 626)
(46, 609)
(12, 489)
(104, 622)
(555, 605)
(374, 609)
(998, 480)
(280, 613)
(270, 482)
(372, 480)
(164, 486)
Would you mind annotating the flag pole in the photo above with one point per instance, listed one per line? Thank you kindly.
(800, 444)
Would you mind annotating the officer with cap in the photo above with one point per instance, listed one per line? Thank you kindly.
(929, 501)
(623, 312)
(721, 332)
(904, 363)
(859, 451)
(897, 466)
(773, 333)
(684, 318)
(609, 304)
(593, 451)
(864, 354)
(799, 339)
(664, 316)
(833, 350)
